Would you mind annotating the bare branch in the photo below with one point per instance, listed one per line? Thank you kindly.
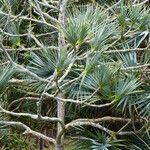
(66, 72)
(99, 120)
(79, 102)
(136, 67)
(30, 49)
(126, 50)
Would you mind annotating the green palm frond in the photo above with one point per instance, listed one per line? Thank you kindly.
(74, 91)
(133, 58)
(146, 57)
(5, 74)
(144, 106)
(122, 20)
(81, 24)
(124, 93)
(99, 78)
(13, 28)
(103, 35)
(97, 141)
(126, 86)
(134, 13)
(10, 4)
(100, 82)
(139, 141)
(92, 62)
(129, 59)
(145, 21)
(42, 66)
(133, 16)
(97, 84)
(138, 39)
(45, 62)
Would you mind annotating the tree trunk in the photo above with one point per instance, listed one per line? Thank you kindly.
(61, 115)
(62, 45)
(59, 147)
(40, 144)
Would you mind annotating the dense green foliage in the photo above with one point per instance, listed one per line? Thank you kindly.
(103, 70)
(15, 142)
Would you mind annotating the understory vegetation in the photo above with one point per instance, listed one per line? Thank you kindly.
(74, 74)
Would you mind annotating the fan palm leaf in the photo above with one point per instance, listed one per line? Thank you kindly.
(5, 74)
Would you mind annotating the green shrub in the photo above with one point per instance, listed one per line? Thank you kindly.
(15, 141)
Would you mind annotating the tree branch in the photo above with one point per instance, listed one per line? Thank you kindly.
(28, 130)
(34, 117)
(99, 120)
(28, 19)
(79, 102)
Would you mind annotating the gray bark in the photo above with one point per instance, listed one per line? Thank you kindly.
(59, 147)
(60, 104)
(40, 144)
(60, 115)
